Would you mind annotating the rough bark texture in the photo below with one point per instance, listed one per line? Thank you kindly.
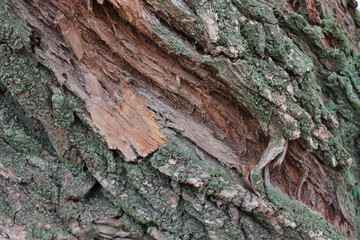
(179, 119)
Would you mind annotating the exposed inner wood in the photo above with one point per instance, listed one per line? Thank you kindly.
(106, 53)
(304, 178)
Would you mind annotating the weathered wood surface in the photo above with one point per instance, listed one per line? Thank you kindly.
(149, 119)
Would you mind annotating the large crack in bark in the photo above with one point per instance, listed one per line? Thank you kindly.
(119, 59)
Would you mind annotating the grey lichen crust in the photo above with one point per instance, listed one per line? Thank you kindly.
(59, 180)
(297, 77)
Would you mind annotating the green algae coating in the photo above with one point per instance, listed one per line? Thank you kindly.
(302, 214)
(22, 74)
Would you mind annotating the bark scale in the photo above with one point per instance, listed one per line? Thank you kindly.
(179, 119)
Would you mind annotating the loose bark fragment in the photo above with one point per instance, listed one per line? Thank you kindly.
(185, 93)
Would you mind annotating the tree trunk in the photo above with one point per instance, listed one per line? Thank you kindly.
(179, 119)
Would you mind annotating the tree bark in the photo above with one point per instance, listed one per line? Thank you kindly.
(179, 119)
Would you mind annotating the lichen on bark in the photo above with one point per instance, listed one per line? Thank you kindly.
(178, 119)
